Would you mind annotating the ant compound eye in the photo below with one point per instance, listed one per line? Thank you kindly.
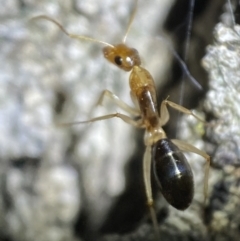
(118, 60)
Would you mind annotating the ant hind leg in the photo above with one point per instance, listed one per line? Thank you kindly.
(148, 188)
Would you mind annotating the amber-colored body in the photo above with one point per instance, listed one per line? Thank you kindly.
(172, 171)
(170, 166)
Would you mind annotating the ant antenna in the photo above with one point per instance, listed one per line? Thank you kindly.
(80, 37)
(130, 21)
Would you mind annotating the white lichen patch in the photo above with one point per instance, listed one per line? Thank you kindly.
(222, 62)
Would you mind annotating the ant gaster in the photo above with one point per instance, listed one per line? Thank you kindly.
(171, 169)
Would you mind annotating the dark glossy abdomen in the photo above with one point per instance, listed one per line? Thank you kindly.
(173, 173)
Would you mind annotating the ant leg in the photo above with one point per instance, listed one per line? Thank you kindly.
(125, 118)
(114, 98)
(184, 146)
(165, 114)
(148, 188)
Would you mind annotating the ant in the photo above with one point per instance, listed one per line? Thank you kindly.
(170, 167)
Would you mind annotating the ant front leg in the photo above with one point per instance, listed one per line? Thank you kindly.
(147, 162)
(184, 146)
(116, 100)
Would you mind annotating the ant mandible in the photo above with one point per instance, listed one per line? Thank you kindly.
(171, 168)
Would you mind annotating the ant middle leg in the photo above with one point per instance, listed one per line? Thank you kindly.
(184, 146)
(165, 114)
(137, 123)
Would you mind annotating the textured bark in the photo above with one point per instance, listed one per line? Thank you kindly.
(70, 183)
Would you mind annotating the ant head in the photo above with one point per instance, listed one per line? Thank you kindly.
(122, 56)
